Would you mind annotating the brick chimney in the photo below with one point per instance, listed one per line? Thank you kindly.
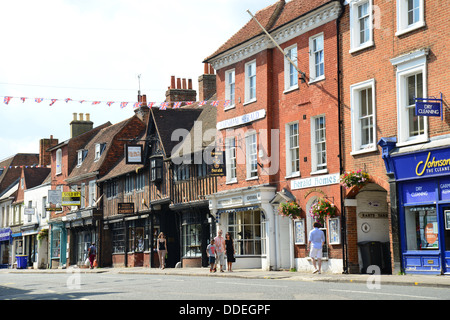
(207, 83)
(80, 126)
(181, 91)
(44, 155)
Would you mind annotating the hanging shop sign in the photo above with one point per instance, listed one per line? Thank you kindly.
(5, 234)
(134, 154)
(429, 107)
(217, 168)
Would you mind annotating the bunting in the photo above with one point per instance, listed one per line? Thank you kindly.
(161, 105)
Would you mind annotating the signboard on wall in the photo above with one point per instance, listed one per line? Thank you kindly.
(72, 198)
(125, 208)
(134, 154)
(217, 168)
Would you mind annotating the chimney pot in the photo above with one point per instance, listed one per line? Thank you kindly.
(74, 116)
(172, 82)
(190, 84)
(88, 117)
(205, 68)
(184, 83)
(178, 83)
(81, 116)
(211, 69)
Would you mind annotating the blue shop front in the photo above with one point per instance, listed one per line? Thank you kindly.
(422, 177)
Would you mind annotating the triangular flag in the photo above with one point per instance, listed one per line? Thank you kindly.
(177, 105)
(23, 99)
(38, 100)
(123, 104)
(7, 100)
(109, 103)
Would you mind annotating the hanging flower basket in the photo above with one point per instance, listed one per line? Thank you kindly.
(321, 210)
(351, 178)
(289, 209)
(42, 234)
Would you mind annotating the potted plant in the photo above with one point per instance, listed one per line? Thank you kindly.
(42, 234)
(351, 178)
(290, 209)
(321, 210)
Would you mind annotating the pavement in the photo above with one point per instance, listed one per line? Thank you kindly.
(440, 281)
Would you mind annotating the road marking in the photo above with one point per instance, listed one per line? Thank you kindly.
(253, 284)
(385, 293)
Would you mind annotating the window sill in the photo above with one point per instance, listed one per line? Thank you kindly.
(293, 175)
(249, 102)
(252, 178)
(319, 172)
(363, 151)
(230, 107)
(362, 47)
(233, 181)
(413, 27)
(412, 142)
(289, 90)
(316, 80)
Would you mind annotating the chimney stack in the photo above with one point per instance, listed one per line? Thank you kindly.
(143, 111)
(180, 92)
(207, 83)
(80, 126)
(44, 155)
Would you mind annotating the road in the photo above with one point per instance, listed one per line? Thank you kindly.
(80, 286)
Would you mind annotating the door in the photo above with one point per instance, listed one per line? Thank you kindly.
(446, 239)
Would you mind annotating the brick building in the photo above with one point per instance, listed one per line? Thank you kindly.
(392, 52)
(279, 133)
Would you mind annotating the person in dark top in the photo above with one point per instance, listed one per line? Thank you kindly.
(92, 252)
(229, 248)
(161, 246)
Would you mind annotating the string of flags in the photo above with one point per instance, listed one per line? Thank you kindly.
(27, 166)
(161, 105)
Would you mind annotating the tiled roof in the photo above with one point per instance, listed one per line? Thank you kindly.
(271, 18)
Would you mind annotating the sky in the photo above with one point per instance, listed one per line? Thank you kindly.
(100, 50)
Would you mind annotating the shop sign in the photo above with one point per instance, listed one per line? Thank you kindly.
(134, 154)
(72, 198)
(419, 191)
(428, 109)
(126, 208)
(318, 181)
(244, 119)
(5, 234)
(444, 189)
(422, 164)
(217, 168)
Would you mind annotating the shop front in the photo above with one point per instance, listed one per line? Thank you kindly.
(423, 188)
(5, 242)
(58, 245)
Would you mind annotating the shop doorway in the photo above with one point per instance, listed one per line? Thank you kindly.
(446, 239)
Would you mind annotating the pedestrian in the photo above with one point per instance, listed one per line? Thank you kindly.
(161, 245)
(220, 249)
(92, 252)
(211, 253)
(229, 247)
(315, 242)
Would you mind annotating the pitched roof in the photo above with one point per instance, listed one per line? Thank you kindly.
(10, 167)
(169, 120)
(104, 136)
(271, 18)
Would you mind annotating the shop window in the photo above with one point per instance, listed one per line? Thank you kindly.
(422, 230)
(156, 169)
(135, 237)
(118, 237)
(56, 243)
(192, 231)
(245, 228)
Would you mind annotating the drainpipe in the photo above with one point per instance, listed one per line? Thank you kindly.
(341, 168)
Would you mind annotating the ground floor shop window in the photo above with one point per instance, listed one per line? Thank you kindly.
(83, 241)
(136, 236)
(192, 232)
(422, 231)
(245, 228)
(56, 243)
(118, 237)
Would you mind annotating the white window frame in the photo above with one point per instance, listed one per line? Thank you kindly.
(58, 168)
(231, 160)
(314, 158)
(402, 17)
(92, 193)
(251, 151)
(407, 65)
(355, 107)
(355, 30)
(97, 151)
(290, 83)
(289, 172)
(249, 98)
(229, 86)
(312, 58)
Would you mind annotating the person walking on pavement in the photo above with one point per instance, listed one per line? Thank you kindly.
(161, 245)
(315, 243)
(92, 252)
(211, 253)
(229, 247)
(220, 248)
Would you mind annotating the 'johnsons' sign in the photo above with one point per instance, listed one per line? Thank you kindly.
(422, 164)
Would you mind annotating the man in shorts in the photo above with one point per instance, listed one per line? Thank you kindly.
(315, 242)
